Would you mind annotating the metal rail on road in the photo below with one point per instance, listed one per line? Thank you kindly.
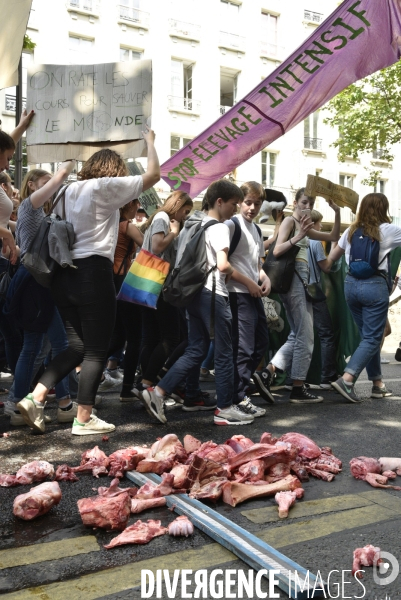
(249, 548)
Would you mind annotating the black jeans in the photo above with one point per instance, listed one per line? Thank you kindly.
(128, 328)
(86, 300)
(160, 336)
(250, 337)
(324, 327)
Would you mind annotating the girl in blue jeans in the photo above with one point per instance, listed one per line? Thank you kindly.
(368, 299)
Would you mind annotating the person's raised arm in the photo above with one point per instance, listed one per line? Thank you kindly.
(135, 234)
(334, 234)
(152, 175)
(41, 196)
(22, 126)
(284, 242)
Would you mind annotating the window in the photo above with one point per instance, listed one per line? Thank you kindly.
(228, 90)
(269, 34)
(181, 84)
(347, 181)
(81, 50)
(127, 54)
(380, 186)
(311, 138)
(177, 142)
(268, 168)
(229, 12)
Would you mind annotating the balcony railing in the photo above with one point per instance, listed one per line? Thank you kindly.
(312, 143)
(82, 5)
(134, 16)
(313, 17)
(270, 50)
(231, 41)
(378, 153)
(224, 109)
(183, 104)
(11, 103)
(185, 30)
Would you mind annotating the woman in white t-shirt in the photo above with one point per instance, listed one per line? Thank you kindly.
(368, 299)
(161, 329)
(85, 295)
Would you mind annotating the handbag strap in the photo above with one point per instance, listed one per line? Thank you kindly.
(313, 264)
(60, 195)
(129, 250)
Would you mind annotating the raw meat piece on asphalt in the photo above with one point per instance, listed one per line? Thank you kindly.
(37, 470)
(8, 480)
(168, 446)
(65, 473)
(388, 463)
(379, 481)
(138, 506)
(307, 447)
(108, 513)
(235, 493)
(151, 490)
(181, 526)
(123, 460)
(209, 491)
(94, 460)
(365, 557)
(38, 501)
(139, 533)
(285, 500)
(191, 444)
(362, 465)
(114, 490)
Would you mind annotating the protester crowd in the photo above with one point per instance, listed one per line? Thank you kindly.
(76, 335)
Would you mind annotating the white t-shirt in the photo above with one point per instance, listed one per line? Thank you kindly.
(91, 206)
(6, 208)
(246, 257)
(217, 238)
(390, 239)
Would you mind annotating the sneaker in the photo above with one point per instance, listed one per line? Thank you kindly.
(108, 383)
(231, 416)
(154, 404)
(301, 395)
(208, 376)
(68, 416)
(93, 426)
(346, 390)
(380, 392)
(263, 381)
(398, 354)
(115, 374)
(252, 390)
(250, 409)
(384, 360)
(32, 414)
(138, 390)
(17, 420)
(128, 396)
(178, 396)
(9, 407)
(199, 402)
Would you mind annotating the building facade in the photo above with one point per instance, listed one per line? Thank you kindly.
(206, 55)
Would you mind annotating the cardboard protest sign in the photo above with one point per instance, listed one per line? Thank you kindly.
(82, 108)
(343, 196)
(12, 30)
(357, 39)
(149, 199)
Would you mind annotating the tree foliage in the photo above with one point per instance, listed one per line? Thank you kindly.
(28, 43)
(367, 115)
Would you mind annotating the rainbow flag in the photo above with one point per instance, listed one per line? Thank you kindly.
(144, 281)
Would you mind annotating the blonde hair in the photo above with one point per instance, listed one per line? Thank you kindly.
(253, 187)
(373, 211)
(33, 176)
(174, 202)
(316, 216)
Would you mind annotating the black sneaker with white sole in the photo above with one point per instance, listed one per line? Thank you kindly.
(346, 389)
(301, 395)
(263, 380)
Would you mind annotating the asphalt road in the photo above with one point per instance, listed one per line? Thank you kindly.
(55, 556)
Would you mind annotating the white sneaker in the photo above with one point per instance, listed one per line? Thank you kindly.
(32, 414)
(250, 409)
(154, 404)
(108, 383)
(231, 416)
(92, 427)
(17, 420)
(384, 360)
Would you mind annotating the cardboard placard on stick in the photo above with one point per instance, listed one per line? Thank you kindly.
(149, 199)
(342, 196)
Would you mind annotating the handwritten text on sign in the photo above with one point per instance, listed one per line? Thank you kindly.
(89, 103)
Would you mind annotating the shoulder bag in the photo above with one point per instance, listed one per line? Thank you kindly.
(280, 269)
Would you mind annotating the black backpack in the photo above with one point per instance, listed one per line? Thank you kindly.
(189, 277)
(237, 235)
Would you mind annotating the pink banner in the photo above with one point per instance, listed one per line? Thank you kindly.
(357, 39)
